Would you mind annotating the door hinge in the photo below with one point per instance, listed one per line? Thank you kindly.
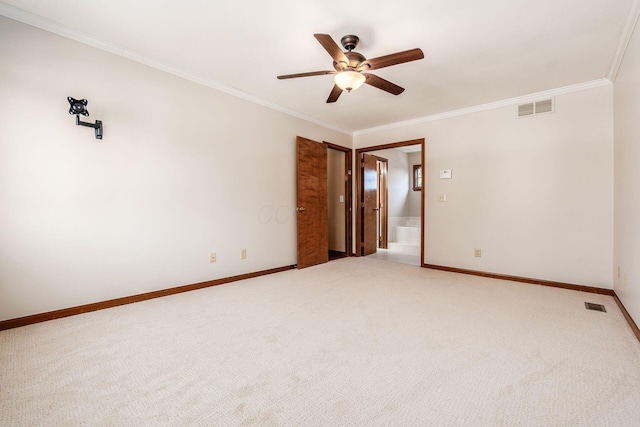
(349, 172)
(363, 205)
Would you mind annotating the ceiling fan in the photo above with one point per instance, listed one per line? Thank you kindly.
(350, 67)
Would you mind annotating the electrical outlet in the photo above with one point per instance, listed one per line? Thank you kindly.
(212, 257)
(243, 254)
(477, 252)
(442, 197)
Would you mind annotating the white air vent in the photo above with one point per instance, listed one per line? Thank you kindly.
(545, 106)
(534, 108)
(525, 110)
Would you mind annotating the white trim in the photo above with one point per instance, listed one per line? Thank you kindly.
(498, 104)
(62, 30)
(53, 27)
(625, 38)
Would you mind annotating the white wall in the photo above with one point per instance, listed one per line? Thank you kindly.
(535, 194)
(182, 171)
(627, 179)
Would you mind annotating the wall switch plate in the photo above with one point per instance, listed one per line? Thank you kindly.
(477, 252)
(243, 254)
(445, 174)
(442, 197)
(212, 257)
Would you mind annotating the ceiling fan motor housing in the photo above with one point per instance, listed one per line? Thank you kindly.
(349, 42)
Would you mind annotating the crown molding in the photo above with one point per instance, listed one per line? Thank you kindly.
(53, 27)
(62, 30)
(70, 33)
(625, 38)
(490, 106)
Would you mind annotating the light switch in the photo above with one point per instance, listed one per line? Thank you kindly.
(341, 199)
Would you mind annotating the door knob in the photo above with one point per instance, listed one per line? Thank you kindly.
(300, 209)
(376, 209)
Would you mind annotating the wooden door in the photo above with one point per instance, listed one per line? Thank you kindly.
(312, 203)
(369, 240)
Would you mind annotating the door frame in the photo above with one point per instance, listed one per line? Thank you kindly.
(348, 192)
(358, 156)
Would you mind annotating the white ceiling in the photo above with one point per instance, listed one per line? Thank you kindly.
(476, 52)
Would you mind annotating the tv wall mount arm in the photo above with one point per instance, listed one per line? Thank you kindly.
(78, 107)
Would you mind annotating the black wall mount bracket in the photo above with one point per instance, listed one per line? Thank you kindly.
(97, 126)
(78, 107)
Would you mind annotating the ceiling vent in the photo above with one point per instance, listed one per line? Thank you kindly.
(535, 108)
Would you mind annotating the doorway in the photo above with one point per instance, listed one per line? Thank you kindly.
(339, 184)
(403, 239)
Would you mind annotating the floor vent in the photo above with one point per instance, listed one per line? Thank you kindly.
(596, 307)
(533, 108)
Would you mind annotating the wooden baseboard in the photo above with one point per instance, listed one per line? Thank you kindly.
(72, 311)
(581, 288)
(66, 312)
(627, 316)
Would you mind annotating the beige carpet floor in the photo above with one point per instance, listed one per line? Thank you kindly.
(356, 342)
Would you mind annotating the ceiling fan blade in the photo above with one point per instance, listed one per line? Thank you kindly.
(312, 73)
(335, 94)
(330, 46)
(383, 84)
(394, 59)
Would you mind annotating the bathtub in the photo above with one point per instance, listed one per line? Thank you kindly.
(408, 231)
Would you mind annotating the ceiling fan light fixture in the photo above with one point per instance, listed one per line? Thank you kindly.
(351, 68)
(349, 80)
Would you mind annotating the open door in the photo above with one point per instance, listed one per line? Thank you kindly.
(312, 211)
(369, 238)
